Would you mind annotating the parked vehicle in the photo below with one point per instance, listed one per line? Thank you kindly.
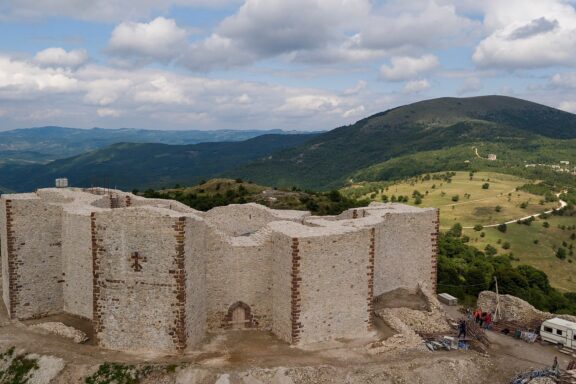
(559, 331)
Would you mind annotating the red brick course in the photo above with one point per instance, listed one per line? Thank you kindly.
(371, 255)
(13, 262)
(179, 331)
(295, 292)
(434, 238)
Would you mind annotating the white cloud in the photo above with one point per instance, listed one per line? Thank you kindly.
(20, 79)
(404, 68)
(568, 106)
(98, 10)
(470, 85)
(162, 91)
(416, 86)
(159, 39)
(108, 112)
(58, 57)
(564, 80)
(528, 34)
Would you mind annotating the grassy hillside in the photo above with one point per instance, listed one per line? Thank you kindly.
(331, 159)
(129, 165)
(219, 192)
(505, 199)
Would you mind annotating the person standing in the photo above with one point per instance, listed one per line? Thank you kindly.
(462, 329)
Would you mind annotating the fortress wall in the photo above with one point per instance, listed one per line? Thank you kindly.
(33, 261)
(405, 251)
(335, 289)
(283, 259)
(4, 253)
(139, 306)
(238, 273)
(77, 264)
(242, 219)
(195, 261)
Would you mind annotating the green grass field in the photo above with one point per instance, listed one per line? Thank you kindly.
(478, 206)
(475, 205)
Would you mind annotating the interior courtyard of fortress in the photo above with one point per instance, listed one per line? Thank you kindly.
(156, 275)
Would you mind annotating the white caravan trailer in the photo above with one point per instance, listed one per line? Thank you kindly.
(559, 331)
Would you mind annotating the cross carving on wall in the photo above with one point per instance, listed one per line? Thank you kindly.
(136, 266)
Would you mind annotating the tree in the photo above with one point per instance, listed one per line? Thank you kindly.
(456, 230)
(502, 228)
(455, 198)
(418, 200)
(490, 250)
(546, 224)
(478, 227)
(561, 253)
(485, 185)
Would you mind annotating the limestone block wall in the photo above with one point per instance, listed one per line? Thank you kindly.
(244, 219)
(139, 304)
(31, 259)
(77, 263)
(4, 227)
(195, 261)
(238, 271)
(405, 250)
(285, 282)
(335, 290)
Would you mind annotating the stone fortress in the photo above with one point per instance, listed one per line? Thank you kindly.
(156, 275)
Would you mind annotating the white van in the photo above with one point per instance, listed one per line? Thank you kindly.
(559, 331)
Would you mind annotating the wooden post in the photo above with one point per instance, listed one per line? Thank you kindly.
(497, 311)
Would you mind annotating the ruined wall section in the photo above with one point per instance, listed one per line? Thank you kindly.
(405, 250)
(335, 285)
(77, 263)
(245, 219)
(139, 279)
(33, 257)
(239, 272)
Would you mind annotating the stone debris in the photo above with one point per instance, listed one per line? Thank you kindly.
(48, 368)
(62, 330)
(515, 309)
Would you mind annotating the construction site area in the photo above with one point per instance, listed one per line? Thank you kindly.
(107, 287)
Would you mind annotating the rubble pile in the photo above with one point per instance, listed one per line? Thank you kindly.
(515, 309)
(62, 330)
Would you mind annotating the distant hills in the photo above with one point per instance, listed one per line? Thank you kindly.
(50, 143)
(505, 123)
(131, 165)
(428, 136)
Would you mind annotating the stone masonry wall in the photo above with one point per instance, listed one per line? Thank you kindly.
(33, 258)
(283, 296)
(195, 260)
(405, 251)
(4, 254)
(335, 285)
(77, 263)
(238, 271)
(139, 277)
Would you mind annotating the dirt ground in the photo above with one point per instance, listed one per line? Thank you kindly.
(255, 357)
(400, 298)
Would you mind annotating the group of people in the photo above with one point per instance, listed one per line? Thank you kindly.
(484, 319)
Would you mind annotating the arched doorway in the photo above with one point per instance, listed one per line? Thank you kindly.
(239, 317)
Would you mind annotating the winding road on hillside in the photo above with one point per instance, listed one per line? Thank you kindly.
(562, 205)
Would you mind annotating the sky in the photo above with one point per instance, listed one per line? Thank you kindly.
(269, 64)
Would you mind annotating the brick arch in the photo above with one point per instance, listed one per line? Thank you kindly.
(250, 321)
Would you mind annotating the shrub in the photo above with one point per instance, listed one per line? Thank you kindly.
(502, 228)
(478, 227)
(455, 198)
(561, 253)
(485, 186)
(506, 245)
(498, 208)
(490, 250)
